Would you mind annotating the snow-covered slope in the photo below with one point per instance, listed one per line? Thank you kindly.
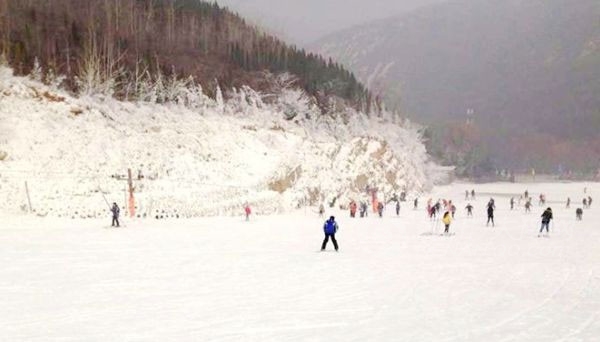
(202, 159)
(224, 279)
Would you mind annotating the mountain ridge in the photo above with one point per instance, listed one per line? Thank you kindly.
(524, 67)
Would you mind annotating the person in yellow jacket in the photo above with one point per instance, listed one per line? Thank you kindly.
(447, 219)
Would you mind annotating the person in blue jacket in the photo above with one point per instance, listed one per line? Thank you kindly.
(330, 228)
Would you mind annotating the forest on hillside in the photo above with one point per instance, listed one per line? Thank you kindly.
(114, 45)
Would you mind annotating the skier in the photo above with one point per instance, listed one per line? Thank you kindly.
(473, 194)
(397, 208)
(528, 205)
(490, 212)
(512, 203)
(542, 199)
(526, 194)
(432, 213)
(568, 202)
(447, 220)
(363, 209)
(469, 208)
(321, 210)
(579, 214)
(380, 209)
(247, 211)
(330, 228)
(352, 209)
(466, 195)
(115, 215)
(589, 202)
(416, 204)
(585, 203)
(546, 217)
(438, 207)
(452, 209)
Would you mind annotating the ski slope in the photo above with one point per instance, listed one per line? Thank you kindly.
(224, 279)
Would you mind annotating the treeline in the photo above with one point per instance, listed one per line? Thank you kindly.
(116, 43)
(479, 151)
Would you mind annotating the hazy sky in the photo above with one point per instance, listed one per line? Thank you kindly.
(303, 21)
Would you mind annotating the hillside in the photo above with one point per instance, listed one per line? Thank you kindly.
(120, 47)
(529, 69)
(205, 158)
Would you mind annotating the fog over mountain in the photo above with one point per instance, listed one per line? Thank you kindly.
(304, 21)
(530, 69)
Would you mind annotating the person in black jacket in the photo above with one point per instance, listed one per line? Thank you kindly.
(490, 211)
(579, 214)
(546, 218)
(115, 215)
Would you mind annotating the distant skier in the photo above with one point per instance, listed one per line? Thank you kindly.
(321, 210)
(380, 209)
(432, 213)
(416, 204)
(363, 209)
(247, 211)
(512, 203)
(469, 208)
(526, 194)
(330, 228)
(397, 208)
(452, 209)
(367, 209)
(589, 202)
(438, 207)
(447, 219)
(490, 213)
(579, 214)
(528, 205)
(115, 215)
(353, 209)
(585, 203)
(546, 218)
(542, 199)
(568, 202)
(473, 194)
(466, 195)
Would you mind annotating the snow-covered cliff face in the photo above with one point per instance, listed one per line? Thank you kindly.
(208, 158)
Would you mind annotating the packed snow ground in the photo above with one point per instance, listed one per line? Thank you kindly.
(224, 279)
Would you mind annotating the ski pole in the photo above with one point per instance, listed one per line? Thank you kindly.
(104, 197)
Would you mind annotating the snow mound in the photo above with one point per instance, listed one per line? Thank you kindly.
(72, 154)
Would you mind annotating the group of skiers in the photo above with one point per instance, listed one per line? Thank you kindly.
(331, 227)
(362, 208)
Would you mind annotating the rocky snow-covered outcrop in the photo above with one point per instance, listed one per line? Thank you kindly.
(207, 159)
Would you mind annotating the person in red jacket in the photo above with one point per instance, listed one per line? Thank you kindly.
(248, 211)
